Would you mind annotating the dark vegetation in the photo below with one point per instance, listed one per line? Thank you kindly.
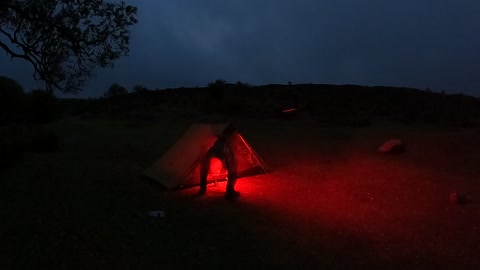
(329, 105)
(65, 40)
(116, 90)
(22, 114)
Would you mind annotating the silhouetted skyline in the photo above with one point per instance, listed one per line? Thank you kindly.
(185, 43)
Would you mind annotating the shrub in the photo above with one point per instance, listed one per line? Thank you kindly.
(115, 90)
(140, 89)
(243, 85)
(217, 90)
(11, 95)
(217, 84)
(42, 106)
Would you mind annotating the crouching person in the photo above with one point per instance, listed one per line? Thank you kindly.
(222, 150)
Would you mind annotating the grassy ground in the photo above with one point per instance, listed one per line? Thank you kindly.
(331, 203)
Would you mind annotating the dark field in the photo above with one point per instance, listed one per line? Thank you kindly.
(332, 201)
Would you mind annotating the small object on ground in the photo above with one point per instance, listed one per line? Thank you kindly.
(393, 146)
(158, 214)
(458, 198)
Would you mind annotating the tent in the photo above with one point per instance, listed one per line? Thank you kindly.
(179, 167)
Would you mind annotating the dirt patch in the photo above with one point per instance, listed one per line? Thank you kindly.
(332, 202)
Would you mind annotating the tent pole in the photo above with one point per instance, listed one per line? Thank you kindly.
(252, 151)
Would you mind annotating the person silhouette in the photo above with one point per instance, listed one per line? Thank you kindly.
(221, 149)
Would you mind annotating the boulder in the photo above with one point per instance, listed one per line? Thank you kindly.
(458, 198)
(392, 146)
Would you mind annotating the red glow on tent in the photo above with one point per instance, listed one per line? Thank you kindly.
(289, 110)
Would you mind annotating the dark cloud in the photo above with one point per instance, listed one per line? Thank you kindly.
(415, 43)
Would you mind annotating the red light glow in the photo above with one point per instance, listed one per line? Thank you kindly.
(289, 110)
(347, 197)
(216, 166)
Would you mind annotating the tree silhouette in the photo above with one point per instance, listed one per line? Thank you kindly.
(217, 83)
(65, 40)
(115, 90)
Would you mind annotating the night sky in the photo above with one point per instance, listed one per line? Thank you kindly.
(414, 43)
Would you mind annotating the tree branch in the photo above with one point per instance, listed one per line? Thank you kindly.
(60, 40)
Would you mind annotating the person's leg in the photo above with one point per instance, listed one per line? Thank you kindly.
(204, 168)
(231, 193)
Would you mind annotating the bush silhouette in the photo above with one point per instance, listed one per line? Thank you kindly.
(11, 95)
(240, 84)
(217, 84)
(115, 90)
(140, 89)
(217, 90)
(42, 106)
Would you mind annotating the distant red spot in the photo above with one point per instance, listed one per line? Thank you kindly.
(289, 110)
